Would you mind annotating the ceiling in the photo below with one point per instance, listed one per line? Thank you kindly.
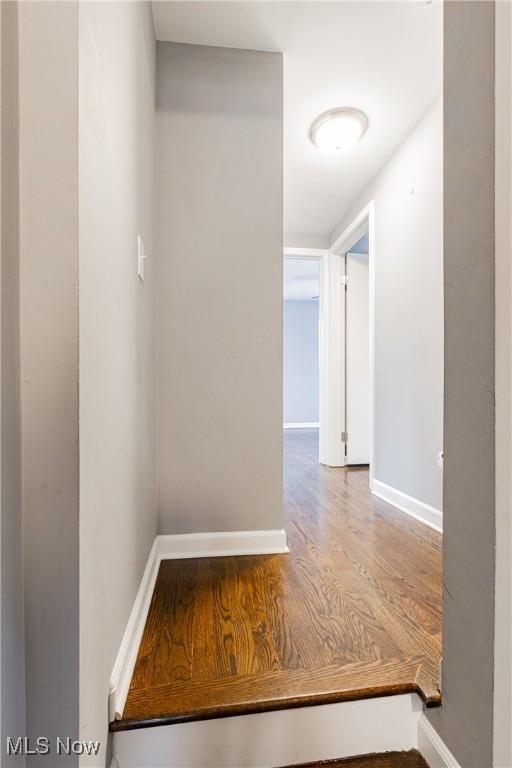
(301, 279)
(382, 57)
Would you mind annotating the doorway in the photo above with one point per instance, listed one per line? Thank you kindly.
(347, 370)
(304, 303)
(301, 317)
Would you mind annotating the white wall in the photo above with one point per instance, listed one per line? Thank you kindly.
(300, 361)
(118, 518)
(298, 240)
(408, 195)
(219, 314)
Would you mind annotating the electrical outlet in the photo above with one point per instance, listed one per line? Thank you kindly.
(141, 257)
(440, 459)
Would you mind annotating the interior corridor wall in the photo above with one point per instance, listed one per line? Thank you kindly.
(219, 288)
(12, 660)
(408, 195)
(118, 515)
(48, 295)
(300, 361)
(465, 721)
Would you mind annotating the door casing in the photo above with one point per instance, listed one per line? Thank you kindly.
(332, 378)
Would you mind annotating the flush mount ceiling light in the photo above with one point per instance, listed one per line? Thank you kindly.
(338, 130)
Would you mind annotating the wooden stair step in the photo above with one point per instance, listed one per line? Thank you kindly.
(409, 759)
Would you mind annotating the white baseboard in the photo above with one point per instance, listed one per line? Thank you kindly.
(284, 737)
(174, 547)
(127, 654)
(417, 509)
(432, 747)
(222, 544)
(301, 425)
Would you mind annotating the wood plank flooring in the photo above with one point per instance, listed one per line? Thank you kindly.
(353, 611)
(409, 759)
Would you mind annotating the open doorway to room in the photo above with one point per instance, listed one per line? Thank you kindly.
(302, 337)
(301, 318)
(349, 347)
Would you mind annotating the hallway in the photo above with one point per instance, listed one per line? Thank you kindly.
(354, 611)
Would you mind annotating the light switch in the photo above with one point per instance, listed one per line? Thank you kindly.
(141, 257)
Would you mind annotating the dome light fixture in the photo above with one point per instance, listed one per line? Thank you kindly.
(338, 130)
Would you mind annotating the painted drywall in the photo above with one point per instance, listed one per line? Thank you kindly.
(48, 199)
(301, 279)
(118, 515)
(219, 288)
(408, 195)
(465, 720)
(12, 660)
(502, 715)
(300, 361)
(362, 245)
(298, 240)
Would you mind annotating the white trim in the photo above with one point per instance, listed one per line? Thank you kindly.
(222, 544)
(301, 425)
(284, 737)
(432, 747)
(418, 509)
(323, 364)
(332, 382)
(127, 654)
(354, 231)
(174, 547)
(335, 345)
(289, 252)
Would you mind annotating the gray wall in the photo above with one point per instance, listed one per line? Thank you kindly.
(465, 719)
(118, 514)
(48, 72)
(408, 195)
(362, 245)
(219, 288)
(502, 747)
(12, 694)
(300, 361)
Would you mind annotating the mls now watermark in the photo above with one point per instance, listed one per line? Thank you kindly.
(45, 746)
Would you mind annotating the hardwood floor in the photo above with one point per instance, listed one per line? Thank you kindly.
(409, 759)
(353, 611)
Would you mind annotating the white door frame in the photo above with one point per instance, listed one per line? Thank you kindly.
(334, 332)
(349, 446)
(320, 254)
